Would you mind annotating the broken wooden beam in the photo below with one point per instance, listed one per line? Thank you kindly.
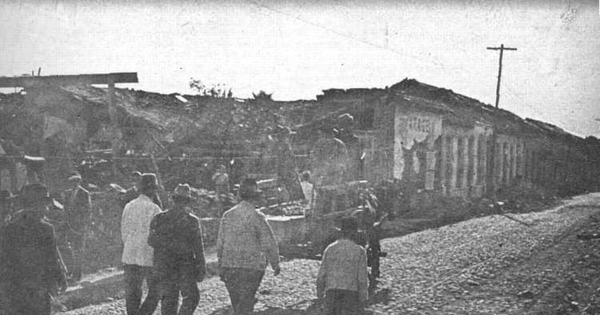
(104, 78)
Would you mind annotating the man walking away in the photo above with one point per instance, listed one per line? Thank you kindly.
(78, 215)
(329, 158)
(342, 282)
(137, 254)
(244, 246)
(285, 163)
(31, 269)
(179, 262)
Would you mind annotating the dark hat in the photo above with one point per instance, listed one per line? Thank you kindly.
(148, 181)
(248, 188)
(183, 191)
(35, 193)
(348, 225)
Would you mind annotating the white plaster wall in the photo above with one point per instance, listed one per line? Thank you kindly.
(411, 128)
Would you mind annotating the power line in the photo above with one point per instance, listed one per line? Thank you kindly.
(524, 102)
(331, 30)
(433, 61)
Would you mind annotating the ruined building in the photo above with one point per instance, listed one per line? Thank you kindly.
(435, 141)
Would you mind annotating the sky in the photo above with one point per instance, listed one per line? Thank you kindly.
(296, 49)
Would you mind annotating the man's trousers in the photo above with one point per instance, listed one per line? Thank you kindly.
(342, 302)
(242, 285)
(77, 242)
(181, 277)
(26, 300)
(134, 277)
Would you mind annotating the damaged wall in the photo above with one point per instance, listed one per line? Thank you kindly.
(415, 134)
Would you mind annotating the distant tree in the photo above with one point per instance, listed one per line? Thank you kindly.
(262, 96)
(214, 90)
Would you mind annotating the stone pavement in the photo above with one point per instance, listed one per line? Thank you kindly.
(425, 272)
(107, 285)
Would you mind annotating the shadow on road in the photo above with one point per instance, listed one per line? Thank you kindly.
(273, 311)
(381, 296)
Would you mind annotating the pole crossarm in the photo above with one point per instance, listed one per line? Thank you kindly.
(32, 81)
(498, 48)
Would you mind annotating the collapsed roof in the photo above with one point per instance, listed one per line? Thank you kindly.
(196, 120)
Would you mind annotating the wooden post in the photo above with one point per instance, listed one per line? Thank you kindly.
(112, 112)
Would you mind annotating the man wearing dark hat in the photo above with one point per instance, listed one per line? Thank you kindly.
(137, 254)
(342, 282)
(286, 163)
(345, 133)
(30, 265)
(244, 247)
(329, 158)
(179, 262)
(78, 216)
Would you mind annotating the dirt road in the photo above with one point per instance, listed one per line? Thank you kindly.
(488, 265)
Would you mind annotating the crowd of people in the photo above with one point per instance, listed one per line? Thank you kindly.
(165, 249)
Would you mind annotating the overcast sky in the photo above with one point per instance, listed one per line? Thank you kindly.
(297, 49)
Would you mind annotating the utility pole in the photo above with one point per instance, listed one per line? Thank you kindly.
(502, 49)
(493, 172)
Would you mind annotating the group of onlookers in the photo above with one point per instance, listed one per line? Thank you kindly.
(165, 249)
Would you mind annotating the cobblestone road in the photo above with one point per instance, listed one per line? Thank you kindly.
(437, 271)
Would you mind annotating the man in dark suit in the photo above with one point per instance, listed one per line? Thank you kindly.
(78, 215)
(30, 265)
(179, 261)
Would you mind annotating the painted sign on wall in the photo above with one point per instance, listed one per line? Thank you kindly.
(411, 128)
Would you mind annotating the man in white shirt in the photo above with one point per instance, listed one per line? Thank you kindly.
(137, 254)
(244, 247)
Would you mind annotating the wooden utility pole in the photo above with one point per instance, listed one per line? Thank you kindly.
(492, 171)
(502, 49)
